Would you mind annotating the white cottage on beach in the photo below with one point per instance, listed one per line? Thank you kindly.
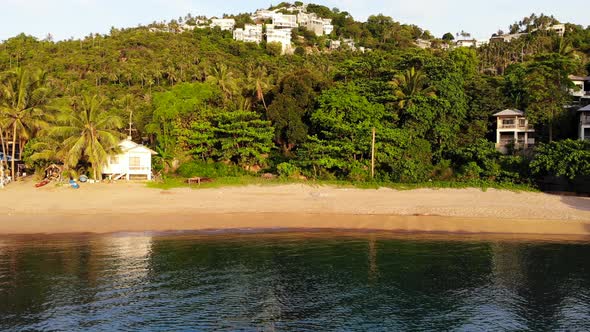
(135, 161)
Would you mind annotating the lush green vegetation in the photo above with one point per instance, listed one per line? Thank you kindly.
(214, 107)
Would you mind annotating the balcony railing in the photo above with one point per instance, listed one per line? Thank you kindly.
(139, 168)
(512, 126)
(520, 142)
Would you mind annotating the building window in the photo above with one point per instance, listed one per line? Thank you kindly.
(508, 122)
(134, 161)
(521, 122)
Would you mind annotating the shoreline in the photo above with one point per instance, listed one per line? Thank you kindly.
(133, 207)
(245, 222)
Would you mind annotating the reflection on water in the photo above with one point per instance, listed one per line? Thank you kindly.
(292, 282)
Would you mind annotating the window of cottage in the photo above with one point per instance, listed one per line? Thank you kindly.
(134, 161)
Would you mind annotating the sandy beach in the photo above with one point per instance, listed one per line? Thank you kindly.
(120, 207)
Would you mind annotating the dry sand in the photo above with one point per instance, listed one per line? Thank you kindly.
(105, 208)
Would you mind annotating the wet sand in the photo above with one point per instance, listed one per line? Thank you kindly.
(121, 207)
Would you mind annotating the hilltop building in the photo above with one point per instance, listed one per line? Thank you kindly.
(558, 28)
(507, 37)
(225, 24)
(263, 15)
(512, 128)
(423, 44)
(251, 33)
(466, 43)
(281, 21)
(281, 36)
(320, 26)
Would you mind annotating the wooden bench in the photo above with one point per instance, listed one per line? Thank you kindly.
(194, 180)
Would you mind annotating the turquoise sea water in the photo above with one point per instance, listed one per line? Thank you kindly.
(292, 282)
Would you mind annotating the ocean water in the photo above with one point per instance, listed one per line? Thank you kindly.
(292, 282)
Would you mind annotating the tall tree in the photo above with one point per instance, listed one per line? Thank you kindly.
(546, 84)
(410, 84)
(24, 97)
(88, 132)
(220, 75)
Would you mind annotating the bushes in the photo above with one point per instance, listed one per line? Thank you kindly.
(568, 158)
(209, 170)
(288, 170)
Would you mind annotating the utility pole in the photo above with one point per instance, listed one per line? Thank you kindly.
(373, 156)
(131, 130)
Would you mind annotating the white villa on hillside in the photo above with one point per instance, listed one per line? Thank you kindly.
(423, 44)
(281, 21)
(225, 24)
(135, 160)
(251, 33)
(584, 123)
(513, 128)
(466, 43)
(582, 84)
(281, 36)
(320, 26)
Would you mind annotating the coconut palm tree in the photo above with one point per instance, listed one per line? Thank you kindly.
(258, 82)
(409, 84)
(24, 98)
(220, 75)
(88, 133)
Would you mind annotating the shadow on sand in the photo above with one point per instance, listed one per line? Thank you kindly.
(579, 203)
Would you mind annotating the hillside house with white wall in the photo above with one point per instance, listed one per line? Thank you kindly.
(466, 43)
(281, 21)
(135, 160)
(225, 24)
(263, 15)
(320, 26)
(512, 128)
(584, 127)
(506, 37)
(251, 33)
(423, 44)
(281, 36)
(582, 86)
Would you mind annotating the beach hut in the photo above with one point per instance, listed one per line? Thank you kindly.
(134, 162)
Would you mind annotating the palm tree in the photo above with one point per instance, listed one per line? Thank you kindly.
(563, 47)
(259, 82)
(88, 133)
(222, 76)
(409, 84)
(23, 104)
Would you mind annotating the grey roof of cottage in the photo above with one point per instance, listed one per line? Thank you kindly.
(510, 113)
(579, 78)
(585, 109)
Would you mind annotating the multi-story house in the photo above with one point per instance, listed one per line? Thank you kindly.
(263, 15)
(251, 33)
(281, 36)
(320, 26)
(281, 21)
(423, 44)
(513, 130)
(225, 24)
(584, 127)
(582, 86)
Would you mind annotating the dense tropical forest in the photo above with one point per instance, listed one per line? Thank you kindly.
(213, 106)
